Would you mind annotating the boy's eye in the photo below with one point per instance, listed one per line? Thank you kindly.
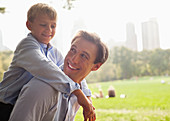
(53, 26)
(73, 50)
(42, 24)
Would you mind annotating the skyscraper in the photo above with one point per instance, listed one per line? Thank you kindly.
(131, 39)
(150, 35)
(2, 47)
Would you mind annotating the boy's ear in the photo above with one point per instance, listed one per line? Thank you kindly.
(96, 66)
(28, 24)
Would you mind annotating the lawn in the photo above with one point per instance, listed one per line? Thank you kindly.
(147, 99)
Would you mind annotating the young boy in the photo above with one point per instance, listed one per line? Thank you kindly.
(36, 57)
(87, 53)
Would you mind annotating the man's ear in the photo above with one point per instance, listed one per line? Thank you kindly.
(96, 66)
(28, 24)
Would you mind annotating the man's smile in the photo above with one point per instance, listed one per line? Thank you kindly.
(72, 67)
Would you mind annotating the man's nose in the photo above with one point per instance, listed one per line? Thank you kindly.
(75, 58)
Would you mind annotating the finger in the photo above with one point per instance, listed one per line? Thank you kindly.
(90, 119)
(94, 116)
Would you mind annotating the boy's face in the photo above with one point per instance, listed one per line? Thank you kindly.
(42, 28)
(79, 61)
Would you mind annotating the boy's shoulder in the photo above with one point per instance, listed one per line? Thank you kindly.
(28, 41)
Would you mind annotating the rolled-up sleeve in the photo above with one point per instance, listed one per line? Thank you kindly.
(85, 88)
(30, 57)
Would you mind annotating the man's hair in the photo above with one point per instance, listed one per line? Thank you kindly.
(102, 52)
(41, 9)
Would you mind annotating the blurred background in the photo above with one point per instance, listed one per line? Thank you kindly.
(137, 24)
(137, 34)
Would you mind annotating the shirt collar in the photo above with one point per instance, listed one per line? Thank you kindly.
(61, 67)
(44, 46)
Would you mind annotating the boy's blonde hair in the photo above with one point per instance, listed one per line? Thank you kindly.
(41, 9)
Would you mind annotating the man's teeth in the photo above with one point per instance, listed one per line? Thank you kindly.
(72, 67)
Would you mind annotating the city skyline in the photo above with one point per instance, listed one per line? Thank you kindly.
(106, 18)
(150, 35)
(131, 38)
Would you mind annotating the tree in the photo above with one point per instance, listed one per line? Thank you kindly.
(5, 60)
(69, 4)
(122, 58)
(2, 9)
(160, 62)
(144, 58)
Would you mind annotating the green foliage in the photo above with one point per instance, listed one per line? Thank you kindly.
(2, 9)
(99, 76)
(124, 63)
(147, 99)
(68, 4)
(5, 60)
(160, 62)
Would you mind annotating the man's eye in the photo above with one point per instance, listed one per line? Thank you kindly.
(84, 56)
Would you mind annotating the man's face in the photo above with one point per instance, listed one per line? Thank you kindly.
(79, 61)
(42, 28)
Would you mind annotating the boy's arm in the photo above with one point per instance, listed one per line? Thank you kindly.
(85, 103)
(29, 56)
(85, 88)
(87, 92)
(92, 116)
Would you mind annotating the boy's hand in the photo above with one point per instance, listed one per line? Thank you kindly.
(83, 100)
(90, 116)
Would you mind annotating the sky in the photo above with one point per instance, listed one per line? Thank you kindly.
(108, 18)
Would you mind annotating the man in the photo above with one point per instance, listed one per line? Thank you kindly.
(34, 57)
(87, 53)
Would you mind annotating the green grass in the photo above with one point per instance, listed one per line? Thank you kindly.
(147, 99)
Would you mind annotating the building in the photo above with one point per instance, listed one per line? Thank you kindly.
(131, 38)
(150, 35)
(2, 47)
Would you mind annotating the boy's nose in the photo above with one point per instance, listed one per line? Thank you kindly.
(49, 28)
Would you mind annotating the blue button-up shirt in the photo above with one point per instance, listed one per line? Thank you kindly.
(31, 59)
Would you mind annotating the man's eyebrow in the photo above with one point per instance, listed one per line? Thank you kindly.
(86, 54)
(83, 51)
(73, 46)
